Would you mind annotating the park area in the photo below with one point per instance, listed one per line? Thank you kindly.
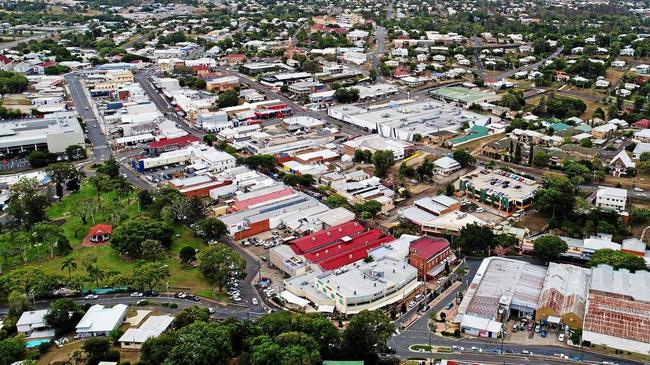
(78, 211)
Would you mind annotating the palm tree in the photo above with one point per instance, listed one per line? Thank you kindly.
(70, 265)
(95, 273)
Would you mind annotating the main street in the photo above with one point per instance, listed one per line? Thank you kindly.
(85, 109)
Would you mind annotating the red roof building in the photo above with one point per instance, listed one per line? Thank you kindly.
(234, 59)
(641, 124)
(169, 144)
(246, 203)
(326, 237)
(429, 255)
(100, 233)
(339, 245)
(344, 251)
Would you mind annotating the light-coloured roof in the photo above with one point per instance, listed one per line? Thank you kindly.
(446, 163)
(634, 285)
(502, 281)
(152, 327)
(565, 289)
(611, 192)
(634, 244)
(102, 319)
(34, 318)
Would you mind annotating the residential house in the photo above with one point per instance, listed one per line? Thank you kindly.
(100, 320)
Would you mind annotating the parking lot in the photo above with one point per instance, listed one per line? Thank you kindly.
(534, 333)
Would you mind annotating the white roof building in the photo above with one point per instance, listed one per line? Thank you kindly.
(100, 320)
(446, 165)
(152, 327)
(611, 198)
(32, 324)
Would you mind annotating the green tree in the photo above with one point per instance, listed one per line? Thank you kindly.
(463, 157)
(336, 200)
(27, 202)
(51, 236)
(155, 349)
(347, 95)
(127, 238)
(191, 315)
(99, 349)
(110, 168)
(541, 159)
(12, 349)
(228, 98)
(151, 249)
(475, 239)
(63, 315)
(219, 263)
(549, 248)
(406, 170)
(210, 229)
(69, 265)
(209, 139)
(187, 254)
(38, 159)
(208, 343)
(617, 260)
(148, 275)
(557, 195)
(75, 152)
(95, 273)
(366, 335)
(383, 160)
(449, 190)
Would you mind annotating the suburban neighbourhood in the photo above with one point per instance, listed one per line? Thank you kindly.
(268, 182)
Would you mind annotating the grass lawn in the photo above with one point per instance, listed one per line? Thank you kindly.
(182, 277)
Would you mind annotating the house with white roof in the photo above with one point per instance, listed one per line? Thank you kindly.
(133, 338)
(446, 166)
(100, 320)
(31, 324)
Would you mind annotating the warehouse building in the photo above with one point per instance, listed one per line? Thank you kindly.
(618, 310)
(564, 295)
(54, 133)
(500, 288)
(403, 121)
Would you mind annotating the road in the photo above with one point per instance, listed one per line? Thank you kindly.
(85, 109)
(532, 66)
(100, 146)
(144, 79)
(380, 40)
(240, 312)
(418, 333)
(46, 34)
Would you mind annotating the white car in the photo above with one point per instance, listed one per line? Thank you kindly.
(91, 296)
(561, 338)
(137, 294)
(480, 210)
(255, 301)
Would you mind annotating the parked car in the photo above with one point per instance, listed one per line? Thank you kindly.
(537, 328)
(561, 338)
(91, 296)
(136, 294)
(255, 301)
